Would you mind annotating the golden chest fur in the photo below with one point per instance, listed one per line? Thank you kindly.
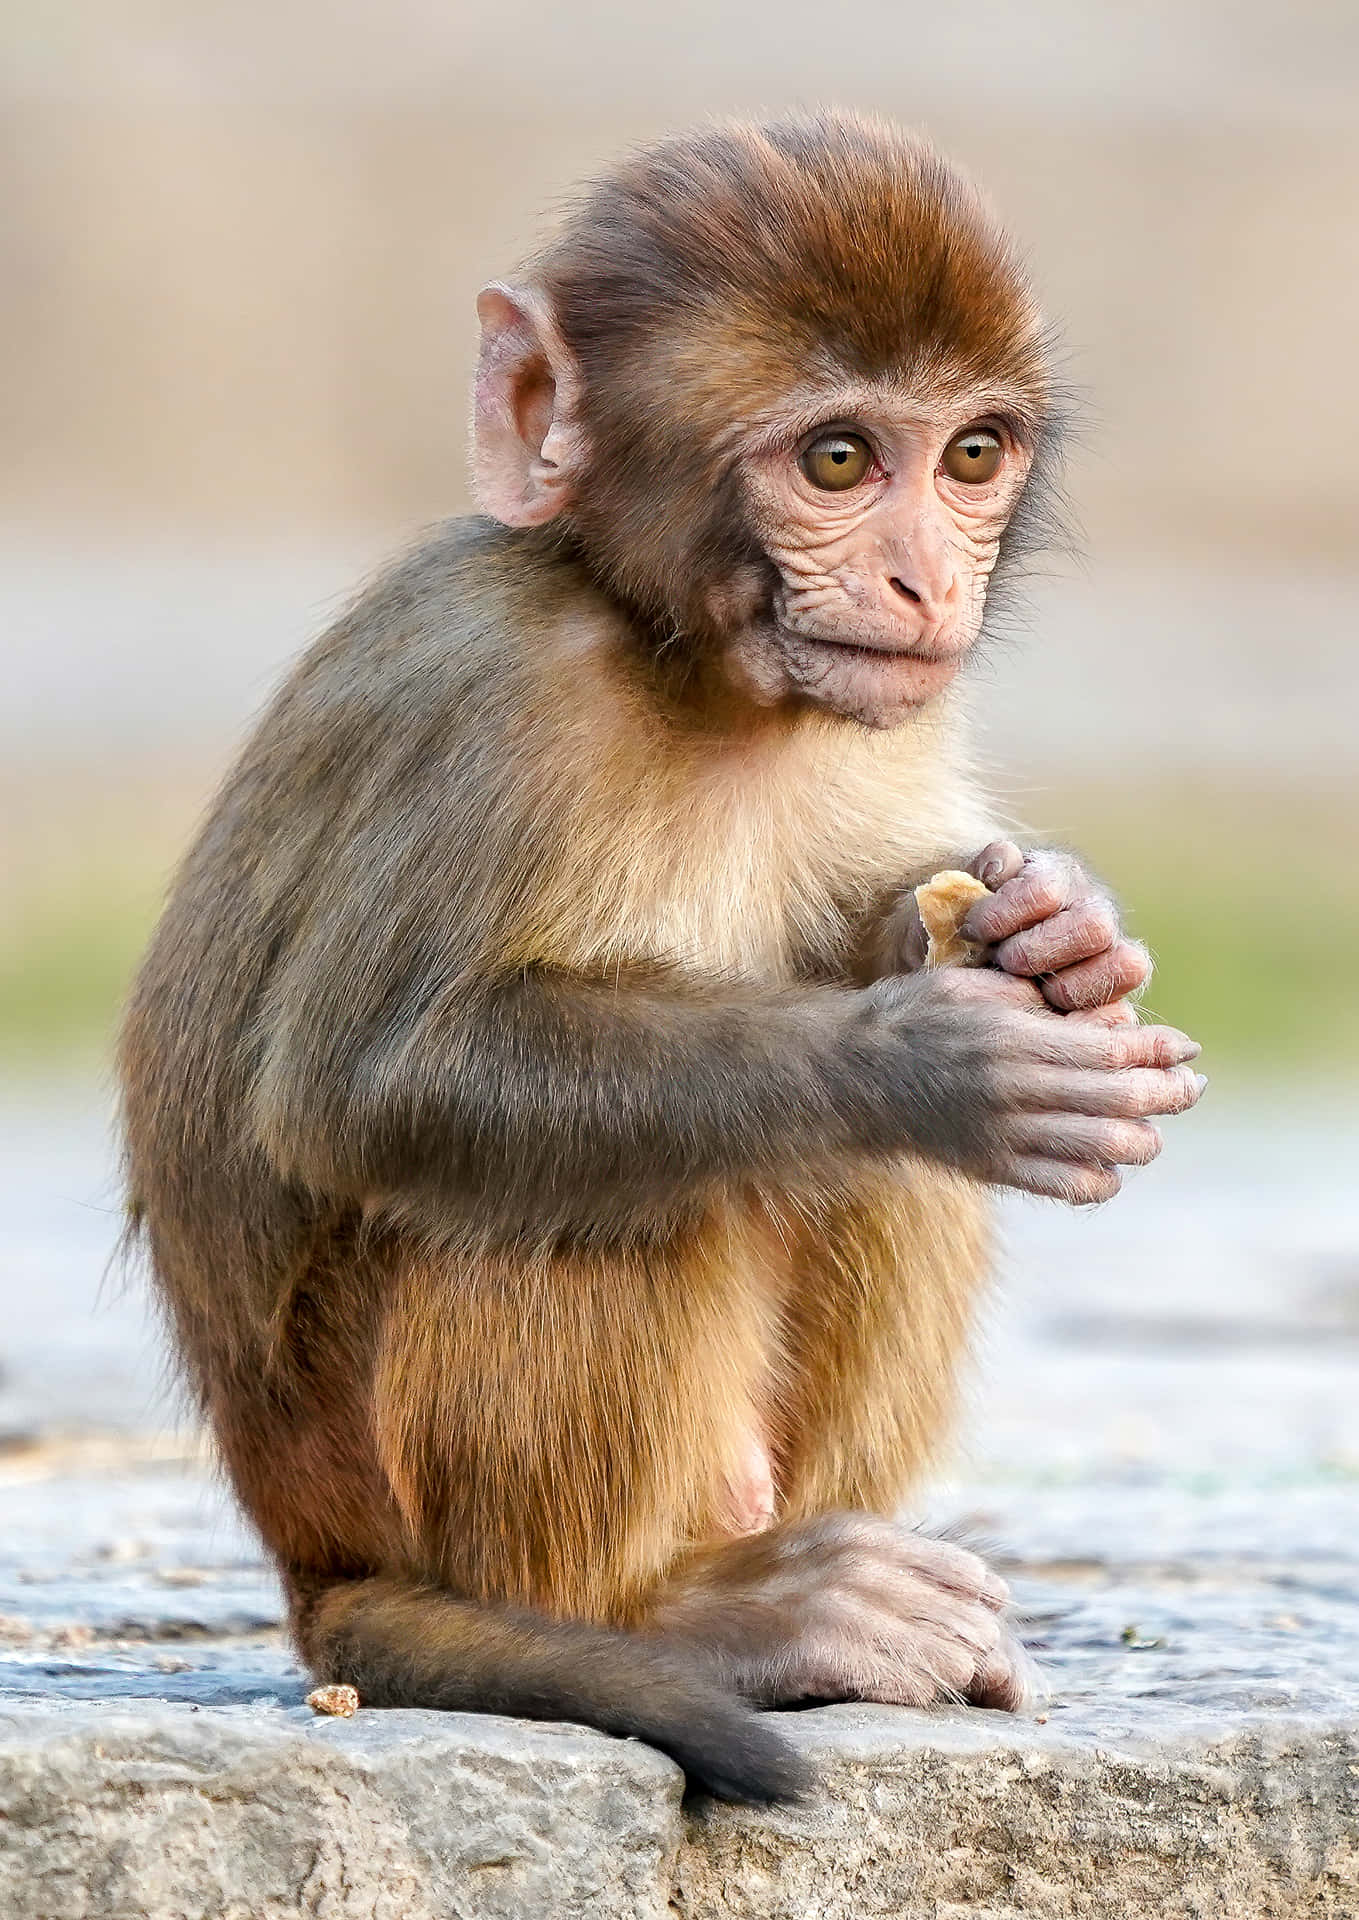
(751, 857)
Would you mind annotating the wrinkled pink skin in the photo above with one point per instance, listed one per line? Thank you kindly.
(882, 586)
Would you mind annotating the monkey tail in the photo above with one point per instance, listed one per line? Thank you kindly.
(400, 1644)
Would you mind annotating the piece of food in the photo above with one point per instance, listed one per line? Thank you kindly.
(341, 1702)
(944, 903)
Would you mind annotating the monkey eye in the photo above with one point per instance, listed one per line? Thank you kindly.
(837, 461)
(973, 457)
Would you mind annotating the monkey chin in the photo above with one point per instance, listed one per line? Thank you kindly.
(877, 687)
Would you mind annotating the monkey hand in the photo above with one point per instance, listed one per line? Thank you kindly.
(849, 1607)
(1047, 920)
(1008, 1090)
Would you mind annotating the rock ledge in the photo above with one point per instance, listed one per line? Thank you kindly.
(138, 1810)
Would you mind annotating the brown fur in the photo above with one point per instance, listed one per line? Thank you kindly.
(480, 1361)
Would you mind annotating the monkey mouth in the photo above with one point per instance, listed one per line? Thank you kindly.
(867, 649)
(874, 653)
(875, 682)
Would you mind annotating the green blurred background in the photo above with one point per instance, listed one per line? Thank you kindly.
(239, 248)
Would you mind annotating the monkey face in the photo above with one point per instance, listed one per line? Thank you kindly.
(881, 523)
(782, 388)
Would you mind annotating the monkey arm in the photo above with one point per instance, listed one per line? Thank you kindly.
(558, 1104)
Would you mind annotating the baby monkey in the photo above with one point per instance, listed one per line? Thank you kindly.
(567, 1186)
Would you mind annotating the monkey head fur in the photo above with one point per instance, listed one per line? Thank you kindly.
(733, 326)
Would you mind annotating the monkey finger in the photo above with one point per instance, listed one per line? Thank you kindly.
(864, 1540)
(1077, 1185)
(1068, 1043)
(992, 988)
(1129, 1093)
(1078, 932)
(1082, 1137)
(1113, 1013)
(1109, 976)
(911, 1668)
(997, 862)
(909, 938)
(1134, 1093)
(1043, 886)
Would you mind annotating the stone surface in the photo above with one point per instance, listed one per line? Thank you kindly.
(158, 1811)
(1197, 1754)
(963, 1817)
(162, 1811)
(1164, 1451)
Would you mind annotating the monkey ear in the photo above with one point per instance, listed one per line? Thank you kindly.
(526, 445)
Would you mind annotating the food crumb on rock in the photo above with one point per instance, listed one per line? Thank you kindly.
(342, 1703)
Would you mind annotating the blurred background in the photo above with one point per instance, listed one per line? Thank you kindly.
(239, 246)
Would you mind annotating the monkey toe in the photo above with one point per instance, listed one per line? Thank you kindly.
(1005, 1681)
(930, 1666)
(956, 1569)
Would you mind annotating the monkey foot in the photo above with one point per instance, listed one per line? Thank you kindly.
(851, 1607)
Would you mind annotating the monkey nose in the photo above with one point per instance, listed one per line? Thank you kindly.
(930, 597)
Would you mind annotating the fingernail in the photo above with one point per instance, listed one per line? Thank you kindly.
(1202, 1080)
(991, 871)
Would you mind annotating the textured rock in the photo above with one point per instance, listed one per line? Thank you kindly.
(1198, 1754)
(962, 1816)
(159, 1812)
